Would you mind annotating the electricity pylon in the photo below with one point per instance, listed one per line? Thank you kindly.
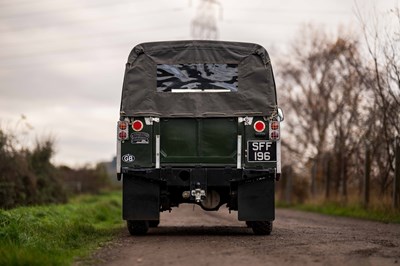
(204, 25)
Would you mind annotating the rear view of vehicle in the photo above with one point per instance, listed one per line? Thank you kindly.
(199, 124)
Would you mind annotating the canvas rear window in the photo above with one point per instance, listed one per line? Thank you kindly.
(186, 78)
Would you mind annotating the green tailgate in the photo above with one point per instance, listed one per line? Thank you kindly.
(198, 141)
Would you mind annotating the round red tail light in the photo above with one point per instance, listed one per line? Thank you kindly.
(259, 126)
(122, 135)
(137, 125)
(275, 125)
(122, 125)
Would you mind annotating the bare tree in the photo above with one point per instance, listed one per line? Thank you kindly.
(339, 99)
(324, 82)
(382, 38)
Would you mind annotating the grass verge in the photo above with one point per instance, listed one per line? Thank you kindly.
(381, 214)
(56, 234)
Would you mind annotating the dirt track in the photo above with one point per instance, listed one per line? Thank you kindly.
(188, 236)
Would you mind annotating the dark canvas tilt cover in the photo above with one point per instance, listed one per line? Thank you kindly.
(211, 78)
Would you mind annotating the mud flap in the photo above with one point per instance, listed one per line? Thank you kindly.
(256, 201)
(140, 200)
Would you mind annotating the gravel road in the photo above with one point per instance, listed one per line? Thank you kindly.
(191, 236)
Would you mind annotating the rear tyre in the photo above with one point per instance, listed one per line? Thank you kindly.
(154, 223)
(137, 228)
(261, 227)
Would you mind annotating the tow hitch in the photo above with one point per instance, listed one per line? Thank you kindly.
(198, 193)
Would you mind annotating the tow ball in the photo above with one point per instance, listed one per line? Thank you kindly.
(198, 193)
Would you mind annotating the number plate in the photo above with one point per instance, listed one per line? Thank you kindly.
(261, 151)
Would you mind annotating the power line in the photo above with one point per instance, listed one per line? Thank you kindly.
(127, 45)
(93, 20)
(68, 40)
(81, 48)
(59, 9)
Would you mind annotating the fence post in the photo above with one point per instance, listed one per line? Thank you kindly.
(314, 177)
(367, 170)
(327, 176)
(396, 181)
(289, 184)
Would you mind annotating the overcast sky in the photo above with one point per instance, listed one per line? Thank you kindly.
(62, 61)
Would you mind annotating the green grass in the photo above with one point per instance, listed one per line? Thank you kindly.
(381, 214)
(56, 234)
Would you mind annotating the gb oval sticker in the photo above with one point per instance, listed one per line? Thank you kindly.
(128, 158)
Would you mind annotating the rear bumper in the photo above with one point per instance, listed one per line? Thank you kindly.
(177, 176)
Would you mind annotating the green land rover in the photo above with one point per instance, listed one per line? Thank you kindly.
(199, 123)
